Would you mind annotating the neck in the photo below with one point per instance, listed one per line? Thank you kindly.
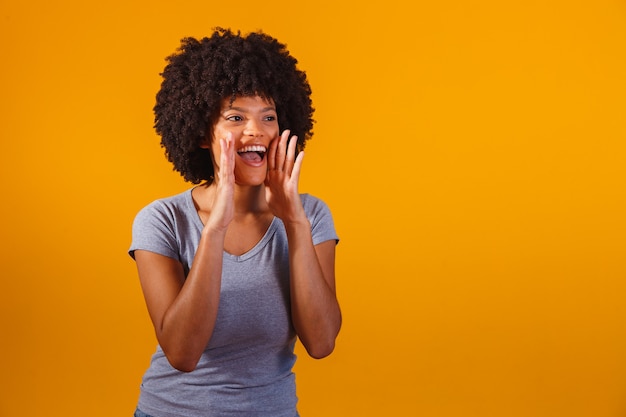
(250, 199)
(247, 199)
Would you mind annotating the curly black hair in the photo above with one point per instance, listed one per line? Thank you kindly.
(204, 72)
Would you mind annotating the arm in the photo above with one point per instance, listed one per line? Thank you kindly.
(183, 310)
(314, 307)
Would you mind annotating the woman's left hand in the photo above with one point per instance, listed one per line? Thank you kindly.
(315, 311)
(283, 174)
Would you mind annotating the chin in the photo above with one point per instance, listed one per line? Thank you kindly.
(250, 182)
(254, 177)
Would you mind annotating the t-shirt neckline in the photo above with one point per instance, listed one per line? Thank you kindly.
(269, 233)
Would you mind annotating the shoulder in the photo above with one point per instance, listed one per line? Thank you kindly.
(158, 226)
(166, 208)
(313, 204)
(165, 215)
(320, 217)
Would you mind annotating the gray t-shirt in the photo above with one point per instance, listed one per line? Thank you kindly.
(246, 369)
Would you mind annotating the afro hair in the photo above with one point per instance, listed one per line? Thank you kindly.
(202, 73)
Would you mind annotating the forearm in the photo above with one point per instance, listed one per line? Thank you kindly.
(315, 310)
(188, 323)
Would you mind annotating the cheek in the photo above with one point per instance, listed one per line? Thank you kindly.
(215, 152)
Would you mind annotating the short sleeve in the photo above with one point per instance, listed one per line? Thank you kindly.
(321, 219)
(154, 230)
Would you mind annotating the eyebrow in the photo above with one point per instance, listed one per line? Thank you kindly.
(243, 109)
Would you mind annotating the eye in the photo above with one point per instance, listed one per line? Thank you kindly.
(234, 118)
(269, 118)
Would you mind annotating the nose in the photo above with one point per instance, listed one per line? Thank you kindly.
(253, 128)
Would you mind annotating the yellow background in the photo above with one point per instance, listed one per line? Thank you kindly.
(473, 154)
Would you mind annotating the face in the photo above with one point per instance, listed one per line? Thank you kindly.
(253, 123)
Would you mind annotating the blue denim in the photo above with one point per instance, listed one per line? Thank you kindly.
(139, 413)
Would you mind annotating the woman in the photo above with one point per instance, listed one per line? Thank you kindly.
(236, 268)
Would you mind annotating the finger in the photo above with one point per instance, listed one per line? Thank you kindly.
(223, 168)
(271, 154)
(228, 155)
(291, 154)
(224, 155)
(297, 166)
(281, 151)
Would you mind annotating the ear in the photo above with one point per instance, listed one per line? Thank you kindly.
(205, 143)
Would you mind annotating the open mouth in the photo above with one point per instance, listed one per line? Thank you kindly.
(253, 153)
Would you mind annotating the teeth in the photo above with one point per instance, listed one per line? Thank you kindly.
(253, 148)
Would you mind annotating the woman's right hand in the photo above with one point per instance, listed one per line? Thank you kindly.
(183, 308)
(222, 207)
